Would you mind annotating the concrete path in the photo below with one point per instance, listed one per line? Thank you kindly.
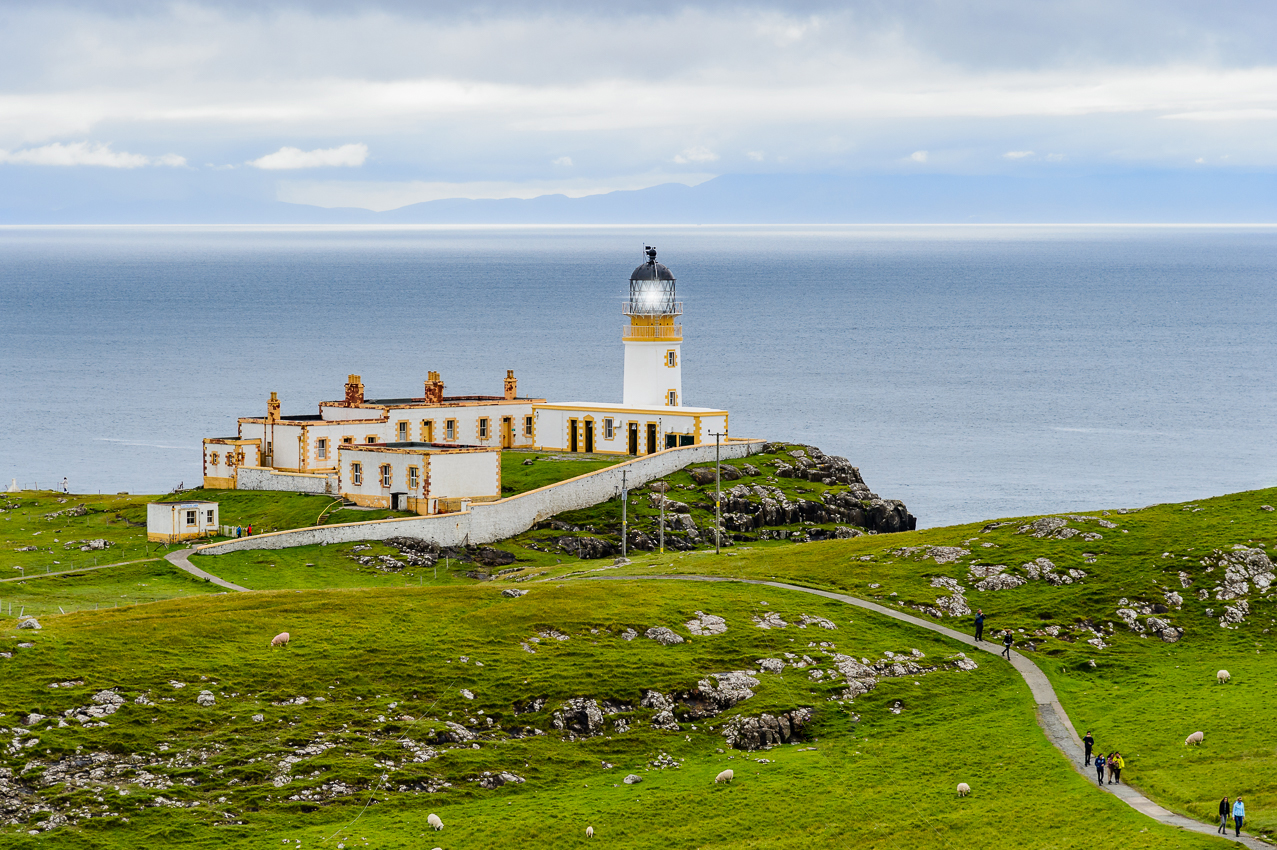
(80, 570)
(1050, 714)
(180, 559)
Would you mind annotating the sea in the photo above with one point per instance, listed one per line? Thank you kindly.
(973, 372)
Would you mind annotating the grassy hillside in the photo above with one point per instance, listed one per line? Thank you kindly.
(383, 672)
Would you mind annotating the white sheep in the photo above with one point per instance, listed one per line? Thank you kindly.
(589, 832)
(963, 789)
(725, 776)
(280, 639)
(434, 821)
(1222, 676)
(1195, 738)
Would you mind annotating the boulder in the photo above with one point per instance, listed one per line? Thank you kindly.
(513, 593)
(632, 779)
(580, 715)
(29, 622)
(490, 557)
(706, 624)
(663, 636)
(206, 698)
(664, 707)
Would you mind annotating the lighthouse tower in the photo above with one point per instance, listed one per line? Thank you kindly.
(653, 338)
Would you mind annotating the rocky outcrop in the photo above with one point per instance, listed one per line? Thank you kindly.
(719, 692)
(706, 624)
(663, 636)
(766, 730)
(581, 715)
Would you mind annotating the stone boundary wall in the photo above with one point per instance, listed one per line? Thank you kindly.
(489, 522)
(259, 478)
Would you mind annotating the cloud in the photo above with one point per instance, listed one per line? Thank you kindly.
(84, 153)
(1017, 154)
(755, 156)
(388, 195)
(696, 154)
(346, 156)
(918, 156)
(563, 160)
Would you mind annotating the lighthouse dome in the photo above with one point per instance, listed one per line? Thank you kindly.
(652, 270)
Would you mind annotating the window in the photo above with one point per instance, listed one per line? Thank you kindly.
(607, 429)
(372, 438)
(357, 474)
(450, 429)
(270, 447)
(412, 478)
(213, 458)
(483, 428)
(385, 475)
(403, 432)
(209, 520)
(671, 358)
(673, 398)
(527, 426)
(321, 449)
(190, 517)
(347, 441)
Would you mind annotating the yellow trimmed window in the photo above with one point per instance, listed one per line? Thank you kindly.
(385, 475)
(347, 441)
(608, 429)
(213, 458)
(370, 439)
(450, 429)
(672, 398)
(413, 477)
(483, 428)
(321, 448)
(527, 426)
(671, 358)
(357, 474)
(403, 432)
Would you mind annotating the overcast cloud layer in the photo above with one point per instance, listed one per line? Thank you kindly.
(379, 105)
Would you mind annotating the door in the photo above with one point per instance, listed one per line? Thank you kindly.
(633, 438)
(572, 435)
(428, 431)
(651, 437)
(507, 432)
(589, 436)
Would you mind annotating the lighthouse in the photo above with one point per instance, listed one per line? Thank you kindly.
(653, 338)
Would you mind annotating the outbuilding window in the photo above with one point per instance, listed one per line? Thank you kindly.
(321, 449)
(413, 478)
(527, 426)
(483, 429)
(607, 429)
(357, 474)
(371, 438)
(403, 432)
(209, 520)
(385, 475)
(213, 458)
(450, 429)
(190, 517)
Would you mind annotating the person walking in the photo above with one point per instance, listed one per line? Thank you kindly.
(1089, 742)
(1099, 769)
(1224, 808)
(65, 488)
(1239, 814)
(1110, 762)
(1118, 764)
(1007, 640)
(979, 624)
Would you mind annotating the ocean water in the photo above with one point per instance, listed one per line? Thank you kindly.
(973, 372)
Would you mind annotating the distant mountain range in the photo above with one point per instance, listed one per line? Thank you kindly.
(1128, 197)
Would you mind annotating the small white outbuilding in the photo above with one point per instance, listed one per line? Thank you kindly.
(170, 522)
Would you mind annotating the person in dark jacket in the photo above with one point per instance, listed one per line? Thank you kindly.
(1224, 809)
(1090, 742)
(1007, 640)
(1099, 768)
(979, 624)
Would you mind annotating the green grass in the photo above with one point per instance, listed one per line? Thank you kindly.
(313, 567)
(875, 779)
(518, 476)
(111, 587)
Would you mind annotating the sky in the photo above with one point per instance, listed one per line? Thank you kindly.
(383, 104)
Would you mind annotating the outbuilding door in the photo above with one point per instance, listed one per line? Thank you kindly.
(634, 438)
(507, 432)
(589, 435)
(651, 437)
(572, 435)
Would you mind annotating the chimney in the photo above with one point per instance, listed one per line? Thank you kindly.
(511, 385)
(434, 389)
(354, 390)
(272, 408)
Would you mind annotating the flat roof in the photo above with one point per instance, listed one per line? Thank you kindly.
(635, 408)
(411, 445)
(186, 502)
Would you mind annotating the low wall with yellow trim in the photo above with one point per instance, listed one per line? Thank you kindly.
(261, 478)
(489, 522)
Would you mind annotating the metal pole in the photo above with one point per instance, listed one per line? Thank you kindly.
(625, 495)
(718, 499)
(662, 495)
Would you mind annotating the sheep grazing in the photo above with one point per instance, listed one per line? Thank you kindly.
(1222, 677)
(963, 789)
(1195, 738)
(280, 639)
(589, 832)
(725, 776)
(434, 821)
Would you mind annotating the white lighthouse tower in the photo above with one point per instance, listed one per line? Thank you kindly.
(653, 338)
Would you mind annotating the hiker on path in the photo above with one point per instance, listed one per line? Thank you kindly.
(1110, 762)
(64, 485)
(1239, 814)
(1090, 742)
(1007, 640)
(1099, 769)
(979, 624)
(1118, 763)
(1223, 816)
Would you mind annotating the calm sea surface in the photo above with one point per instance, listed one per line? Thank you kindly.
(971, 372)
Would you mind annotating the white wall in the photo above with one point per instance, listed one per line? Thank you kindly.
(465, 474)
(257, 478)
(489, 522)
(648, 379)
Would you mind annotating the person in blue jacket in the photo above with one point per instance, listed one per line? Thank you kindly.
(979, 625)
(1099, 768)
(1239, 814)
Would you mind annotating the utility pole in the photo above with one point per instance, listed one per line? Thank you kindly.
(625, 495)
(718, 497)
(663, 497)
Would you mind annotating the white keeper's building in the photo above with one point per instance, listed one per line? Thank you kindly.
(425, 453)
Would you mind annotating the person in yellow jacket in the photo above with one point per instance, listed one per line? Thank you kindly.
(1118, 763)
